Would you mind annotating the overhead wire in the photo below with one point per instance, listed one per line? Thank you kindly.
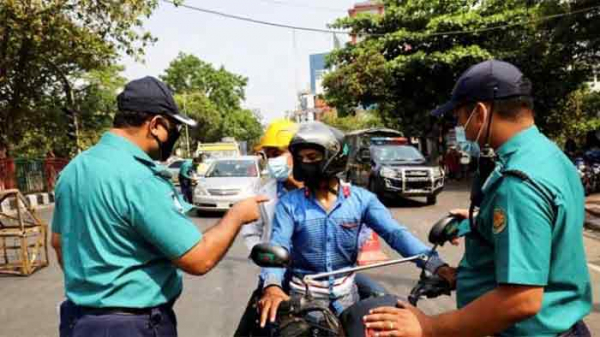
(330, 31)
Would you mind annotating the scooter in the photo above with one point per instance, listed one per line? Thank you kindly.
(296, 317)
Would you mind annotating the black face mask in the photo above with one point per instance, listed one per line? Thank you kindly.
(166, 148)
(310, 173)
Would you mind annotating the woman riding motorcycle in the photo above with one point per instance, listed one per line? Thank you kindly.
(320, 225)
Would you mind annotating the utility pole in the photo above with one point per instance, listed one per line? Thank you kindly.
(187, 130)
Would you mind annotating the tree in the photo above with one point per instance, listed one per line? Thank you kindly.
(359, 121)
(409, 58)
(187, 74)
(212, 97)
(44, 45)
(94, 98)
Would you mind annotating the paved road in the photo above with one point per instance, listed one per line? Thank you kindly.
(211, 305)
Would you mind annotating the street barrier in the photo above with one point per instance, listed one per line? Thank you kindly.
(23, 237)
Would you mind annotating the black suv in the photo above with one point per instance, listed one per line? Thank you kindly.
(389, 169)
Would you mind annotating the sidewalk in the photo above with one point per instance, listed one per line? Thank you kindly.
(36, 200)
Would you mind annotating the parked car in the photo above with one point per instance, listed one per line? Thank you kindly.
(389, 168)
(173, 168)
(227, 181)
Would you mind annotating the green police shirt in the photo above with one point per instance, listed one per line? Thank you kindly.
(121, 223)
(186, 169)
(530, 236)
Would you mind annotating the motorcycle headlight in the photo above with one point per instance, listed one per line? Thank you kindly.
(387, 173)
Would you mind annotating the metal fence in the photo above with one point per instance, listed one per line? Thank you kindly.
(30, 175)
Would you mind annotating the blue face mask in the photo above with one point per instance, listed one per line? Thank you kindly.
(469, 147)
(278, 168)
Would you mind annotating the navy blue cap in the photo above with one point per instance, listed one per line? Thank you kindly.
(150, 95)
(486, 81)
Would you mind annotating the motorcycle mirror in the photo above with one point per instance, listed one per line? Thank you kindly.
(444, 230)
(269, 256)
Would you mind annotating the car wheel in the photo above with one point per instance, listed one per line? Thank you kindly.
(431, 199)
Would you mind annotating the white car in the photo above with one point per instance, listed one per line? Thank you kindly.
(227, 181)
(173, 168)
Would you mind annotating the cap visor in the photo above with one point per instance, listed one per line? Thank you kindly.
(185, 120)
(444, 109)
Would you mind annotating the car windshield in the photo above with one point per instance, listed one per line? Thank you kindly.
(401, 153)
(232, 168)
(220, 154)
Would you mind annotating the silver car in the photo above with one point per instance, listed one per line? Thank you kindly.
(227, 181)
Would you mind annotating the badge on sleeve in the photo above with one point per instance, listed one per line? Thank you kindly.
(499, 220)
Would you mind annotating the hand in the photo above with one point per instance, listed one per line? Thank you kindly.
(448, 274)
(460, 212)
(402, 321)
(269, 303)
(247, 210)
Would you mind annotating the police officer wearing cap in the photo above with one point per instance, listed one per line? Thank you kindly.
(524, 270)
(119, 227)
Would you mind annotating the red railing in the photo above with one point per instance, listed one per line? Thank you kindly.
(29, 176)
(8, 174)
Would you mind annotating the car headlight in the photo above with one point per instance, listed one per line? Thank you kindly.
(387, 173)
(200, 191)
(438, 172)
(249, 190)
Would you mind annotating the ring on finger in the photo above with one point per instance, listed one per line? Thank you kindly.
(391, 325)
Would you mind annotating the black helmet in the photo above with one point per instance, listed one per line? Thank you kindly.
(326, 138)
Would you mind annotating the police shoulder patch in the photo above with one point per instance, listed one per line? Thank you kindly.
(499, 220)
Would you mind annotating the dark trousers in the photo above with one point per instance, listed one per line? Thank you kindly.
(186, 188)
(578, 330)
(248, 325)
(76, 321)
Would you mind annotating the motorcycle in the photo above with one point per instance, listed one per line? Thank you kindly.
(586, 174)
(296, 317)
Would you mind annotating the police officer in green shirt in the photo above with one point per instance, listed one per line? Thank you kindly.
(524, 271)
(119, 227)
(186, 178)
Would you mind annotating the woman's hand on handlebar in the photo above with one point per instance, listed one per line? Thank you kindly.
(269, 303)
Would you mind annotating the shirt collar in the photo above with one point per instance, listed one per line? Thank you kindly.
(517, 141)
(124, 144)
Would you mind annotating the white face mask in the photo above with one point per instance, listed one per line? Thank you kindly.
(278, 167)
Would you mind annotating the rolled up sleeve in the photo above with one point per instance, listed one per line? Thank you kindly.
(379, 218)
(283, 228)
(522, 234)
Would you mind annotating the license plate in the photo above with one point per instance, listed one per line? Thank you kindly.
(221, 205)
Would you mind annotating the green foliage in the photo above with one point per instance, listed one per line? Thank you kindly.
(409, 63)
(187, 74)
(213, 98)
(360, 121)
(42, 43)
(579, 113)
(45, 129)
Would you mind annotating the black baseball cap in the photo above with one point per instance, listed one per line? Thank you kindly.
(486, 81)
(150, 95)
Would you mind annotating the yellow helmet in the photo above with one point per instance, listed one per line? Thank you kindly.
(279, 134)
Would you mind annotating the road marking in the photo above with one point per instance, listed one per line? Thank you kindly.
(594, 267)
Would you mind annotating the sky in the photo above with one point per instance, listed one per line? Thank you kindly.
(275, 66)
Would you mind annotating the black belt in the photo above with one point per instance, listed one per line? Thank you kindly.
(122, 310)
